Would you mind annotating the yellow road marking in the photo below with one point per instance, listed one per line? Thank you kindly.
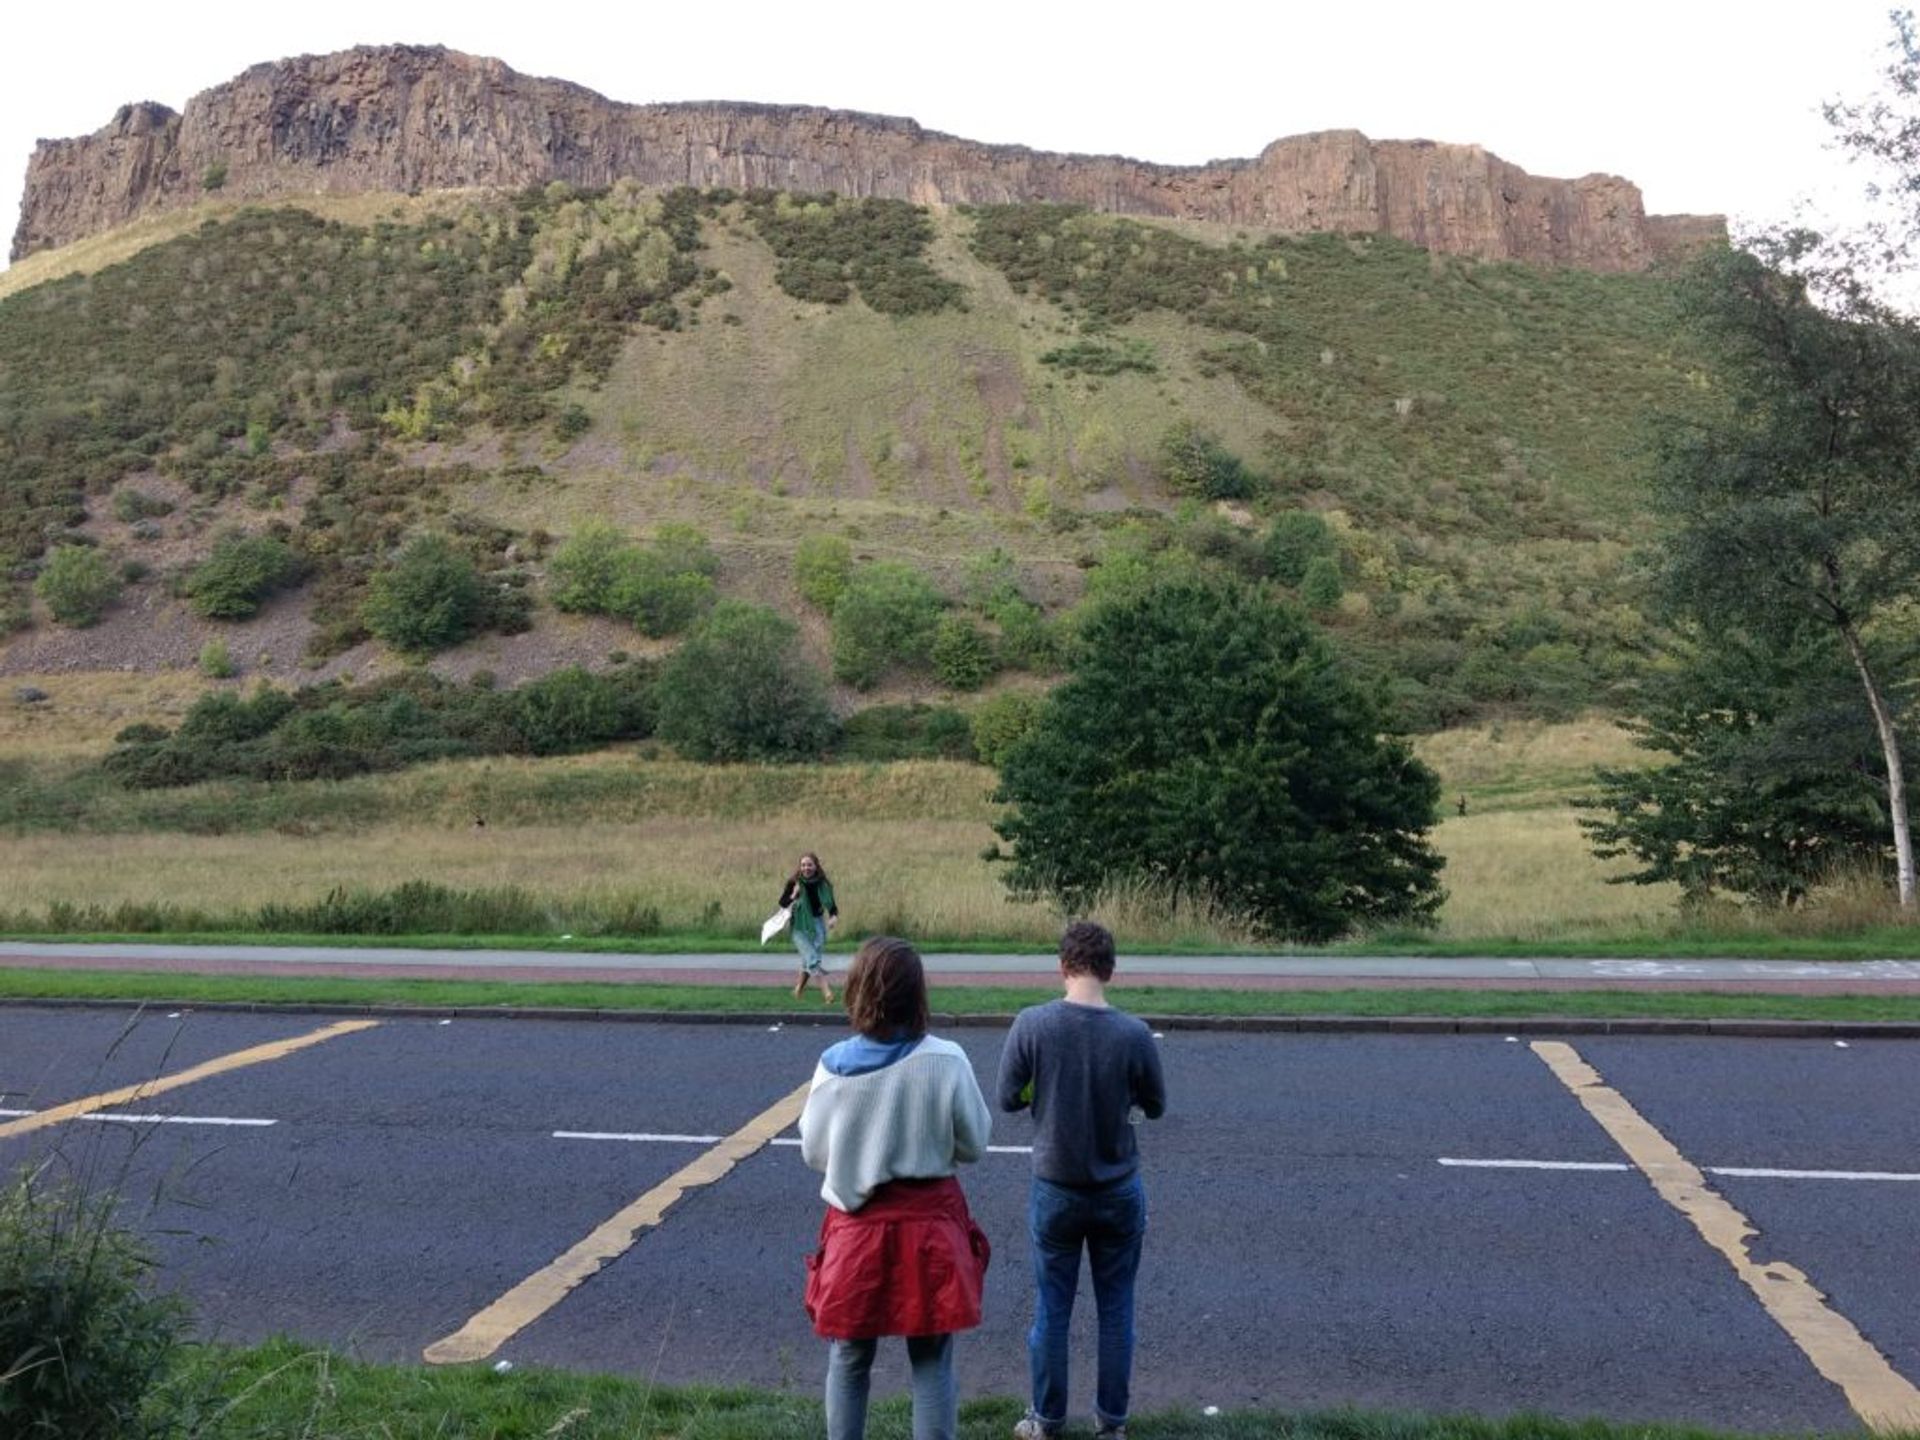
(239, 1060)
(546, 1288)
(1879, 1394)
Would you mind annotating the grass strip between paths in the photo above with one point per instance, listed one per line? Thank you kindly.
(28, 983)
(1895, 942)
(283, 1389)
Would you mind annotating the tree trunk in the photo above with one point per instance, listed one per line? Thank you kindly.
(1896, 776)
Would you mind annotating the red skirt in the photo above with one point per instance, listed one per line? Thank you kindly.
(911, 1261)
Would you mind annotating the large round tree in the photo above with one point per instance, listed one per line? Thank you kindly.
(1208, 741)
(738, 688)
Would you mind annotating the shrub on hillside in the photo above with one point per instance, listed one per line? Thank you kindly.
(429, 598)
(887, 615)
(83, 1340)
(1321, 586)
(1002, 722)
(738, 688)
(331, 731)
(828, 245)
(131, 506)
(1297, 539)
(582, 572)
(242, 571)
(1194, 462)
(667, 584)
(906, 732)
(77, 585)
(572, 709)
(962, 653)
(216, 660)
(1028, 640)
(822, 565)
(662, 587)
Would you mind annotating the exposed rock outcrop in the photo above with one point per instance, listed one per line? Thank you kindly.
(411, 118)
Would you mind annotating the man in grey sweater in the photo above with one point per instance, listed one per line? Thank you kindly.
(1089, 1072)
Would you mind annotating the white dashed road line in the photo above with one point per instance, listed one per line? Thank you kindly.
(1748, 1172)
(644, 1137)
(151, 1119)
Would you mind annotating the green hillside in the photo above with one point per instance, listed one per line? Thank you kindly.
(1022, 399)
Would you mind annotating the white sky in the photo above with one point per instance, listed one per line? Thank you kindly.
(1709, 106)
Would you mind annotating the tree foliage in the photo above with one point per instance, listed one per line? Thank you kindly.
(431, 597)
(1206, 739)
(242, 571)
(330, 731)
(1769, 778)
(888, 615)
(77, 585)
(1794, 511)
(662, 586)
(822, 565)
(1194, 462)
(738, 688)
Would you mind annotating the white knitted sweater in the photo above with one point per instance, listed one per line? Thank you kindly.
(913, 1119)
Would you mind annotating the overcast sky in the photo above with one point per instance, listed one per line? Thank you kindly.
(1708, 106)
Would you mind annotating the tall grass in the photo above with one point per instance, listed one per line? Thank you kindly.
(594, 844)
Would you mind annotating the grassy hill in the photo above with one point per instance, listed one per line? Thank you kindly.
(1066, 389)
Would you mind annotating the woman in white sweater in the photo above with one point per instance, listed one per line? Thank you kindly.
(892, 1111)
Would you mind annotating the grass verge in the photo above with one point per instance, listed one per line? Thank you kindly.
(1891, 942)
(27, 983)
(284, 1390)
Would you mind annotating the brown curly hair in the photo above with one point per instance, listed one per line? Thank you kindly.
(886, 990)
(1087, 949)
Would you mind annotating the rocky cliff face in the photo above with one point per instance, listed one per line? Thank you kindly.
(410, 118)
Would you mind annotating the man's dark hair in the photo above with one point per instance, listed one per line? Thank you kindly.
(1087, 949)
(886, 990)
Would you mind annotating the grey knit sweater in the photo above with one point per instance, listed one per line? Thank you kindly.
(913, 1117)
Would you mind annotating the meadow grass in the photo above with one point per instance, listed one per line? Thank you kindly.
(1517, 875)
(706, 846)
(84, 710)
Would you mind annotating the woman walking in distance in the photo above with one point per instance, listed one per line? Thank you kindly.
(892, 1111)
(810, 894)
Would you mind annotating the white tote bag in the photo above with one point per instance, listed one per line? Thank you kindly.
(775, 923)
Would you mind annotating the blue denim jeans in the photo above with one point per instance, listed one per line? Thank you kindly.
(936, 1401)
(1110, 1225)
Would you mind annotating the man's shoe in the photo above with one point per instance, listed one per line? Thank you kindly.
(1111, 1432)
(1032, 1427)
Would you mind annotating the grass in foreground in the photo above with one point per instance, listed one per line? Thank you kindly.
(28, 983)
(289, 1392)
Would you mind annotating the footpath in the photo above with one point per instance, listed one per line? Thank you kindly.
(774, 968)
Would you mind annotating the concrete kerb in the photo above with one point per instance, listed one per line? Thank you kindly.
(1243, 1024)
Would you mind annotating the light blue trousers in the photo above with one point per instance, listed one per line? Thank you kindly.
(811, 943)
(936, 1400)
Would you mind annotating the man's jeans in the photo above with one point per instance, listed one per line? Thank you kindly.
(936, 1402)
(1111, 1224)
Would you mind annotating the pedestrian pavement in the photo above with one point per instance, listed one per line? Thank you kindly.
(771, 965)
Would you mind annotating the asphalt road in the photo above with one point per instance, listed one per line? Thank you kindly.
(1308, 1246)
